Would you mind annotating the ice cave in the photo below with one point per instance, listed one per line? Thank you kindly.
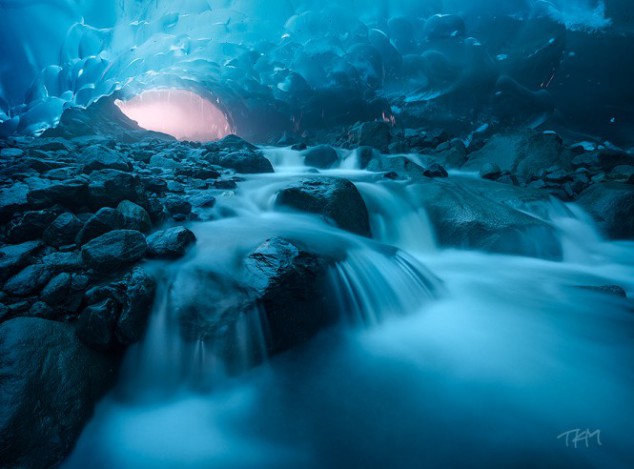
(315, 234)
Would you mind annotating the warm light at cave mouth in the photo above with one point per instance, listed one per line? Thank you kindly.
(180, 113)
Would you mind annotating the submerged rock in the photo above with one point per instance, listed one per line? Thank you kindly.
(337, 200)
(49, 385)
(321, 156)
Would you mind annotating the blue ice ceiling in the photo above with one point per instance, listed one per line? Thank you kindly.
(276, 62)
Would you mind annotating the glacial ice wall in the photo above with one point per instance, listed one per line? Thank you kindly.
(285, 64)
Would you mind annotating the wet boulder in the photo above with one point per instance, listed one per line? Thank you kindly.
(49, 385)
(105, 220)
(17, 256)
(29, 280)
(611, 204)
(135, 217)
(114, 250)
(108, 187)
(321, 156)
(242, 161)
(372, 134)
(337, 200)
(63, 230)
(171, 243)
(488, 216)
(69, 193)
(30, 225)
(97, 157)
(117, 313)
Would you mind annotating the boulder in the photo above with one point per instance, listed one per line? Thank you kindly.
(134, 217)
(114, 250)
(69, 193)
(337, 200)
(97, 157)
(242, 161)
(105, 220)
(372, 134)
(29, 280)
(397, 164)
(278, 279)
(611, 204)
(321, 156)
(170, 243)
(12, 199)
(178, 205)
(49, 385)
(14, 257)
(118, 312)
(30, 225)
(108, 187)
(477, 214)
(63, 230)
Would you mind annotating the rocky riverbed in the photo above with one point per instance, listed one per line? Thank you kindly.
(88, 221)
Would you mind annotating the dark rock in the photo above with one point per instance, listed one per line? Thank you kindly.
(622, 173)
(490, 171)
(155, 209)
(49, 385)
(136, 306)
(337, 200)
(29, 280)
(70, 194)
(63, 261)
(366, 154)
(108, 187)
(15, 257)
(203, 200)
(396, 164)
(96, 324)
(478, 214)
(611, 204)
(245, 162)
(170, 243)
(39, 309)
(154, 184)
(31, 225)
(63, 230)
(435, 171)
(105, 220)
(12, 199)
(57, 289)
(178, 205)
(233, 143)
(114, 250)
(321, 156)
(372, 134)
(225, 184)
(134, 217)
(97, 157)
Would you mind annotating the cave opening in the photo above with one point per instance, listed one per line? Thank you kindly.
(182, 114)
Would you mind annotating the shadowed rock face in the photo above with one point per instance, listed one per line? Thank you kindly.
(50, 385)
(612, 206)
(337, 200)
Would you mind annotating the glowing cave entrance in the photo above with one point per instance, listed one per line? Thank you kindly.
(180, 113)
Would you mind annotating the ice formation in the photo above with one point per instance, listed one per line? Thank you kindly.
(278, 64)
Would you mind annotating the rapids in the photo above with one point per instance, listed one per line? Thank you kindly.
(443, 356)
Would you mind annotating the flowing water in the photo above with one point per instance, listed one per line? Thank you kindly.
(443, 357)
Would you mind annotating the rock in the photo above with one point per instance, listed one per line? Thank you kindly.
(15, 257)
(321, 156)
(154, 184)
(178, 205)
(40, 309)
(63, 261)
(96, 324)
(623, 173)
(12, 199)
(372, 134)
(114, 250)
(31, 225)
(170, 243)
(435, 171)
(245, 162)
(337, 200)
(611, 204)
(490, 171)
(57, 289)
(97, 157)
(203, 200)
(281, 279)
(63, 230)
(233, 143)
(8, 153)
(105, 220)
(49, 385)
(396, 164)
(118, 312)
(69, 193)
(136, 306)
(478, 214)
(109, 187)
(444, 27)
(163, 160)
(134, 217)
(29, 280)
